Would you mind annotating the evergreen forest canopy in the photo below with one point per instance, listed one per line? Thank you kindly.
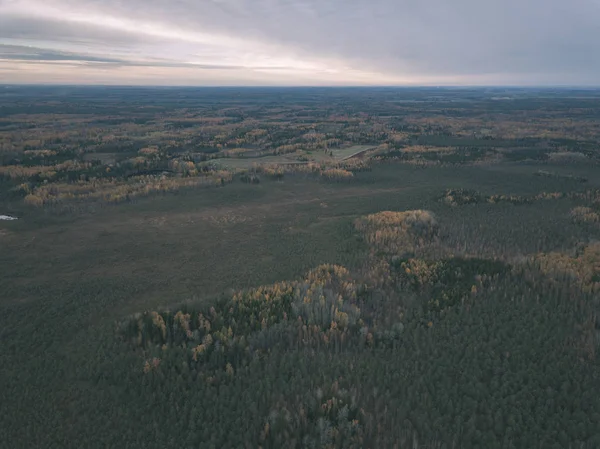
(302, 268)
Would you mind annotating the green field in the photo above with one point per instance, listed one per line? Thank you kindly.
(345, 153)
(249, 162)
(339, 154)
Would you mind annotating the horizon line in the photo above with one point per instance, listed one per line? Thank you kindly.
(311, 86)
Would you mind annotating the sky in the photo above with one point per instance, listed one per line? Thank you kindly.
(301, 42)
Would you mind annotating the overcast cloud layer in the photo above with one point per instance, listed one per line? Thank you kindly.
(301, 42)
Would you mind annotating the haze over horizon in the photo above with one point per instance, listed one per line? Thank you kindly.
(300, 42)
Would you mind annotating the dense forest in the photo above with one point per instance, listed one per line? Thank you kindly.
(289, 268)
(413, 349)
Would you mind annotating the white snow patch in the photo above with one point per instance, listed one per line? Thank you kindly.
(7, 217)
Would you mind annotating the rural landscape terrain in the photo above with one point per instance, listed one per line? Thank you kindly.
(299, 268)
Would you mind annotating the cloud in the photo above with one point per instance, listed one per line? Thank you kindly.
(53, 29)
(24, 53)
(319, 42)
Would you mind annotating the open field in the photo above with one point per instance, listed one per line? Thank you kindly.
(248, 163)
(295, 158)
(441, 282)
(345, 153)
